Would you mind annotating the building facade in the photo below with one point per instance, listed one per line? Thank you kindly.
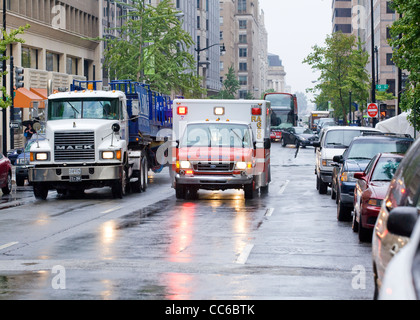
(276, 74)
(245, 37)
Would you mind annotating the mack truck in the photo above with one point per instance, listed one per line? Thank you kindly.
(220, 145)
(100, 138)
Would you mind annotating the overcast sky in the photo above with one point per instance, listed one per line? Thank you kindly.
(293, 27)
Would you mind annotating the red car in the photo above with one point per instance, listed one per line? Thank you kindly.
(5, 174)
(371, 188)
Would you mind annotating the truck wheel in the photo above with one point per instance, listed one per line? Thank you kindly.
(249, 191)
(180, 191)
(136, 186)
(8, 188)
(144, 172)
(323, 187)
(119, 187)
(40, 191)
(20, 181)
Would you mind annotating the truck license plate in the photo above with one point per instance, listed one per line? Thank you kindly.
(75, 174)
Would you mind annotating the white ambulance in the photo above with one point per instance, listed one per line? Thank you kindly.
(220, 145)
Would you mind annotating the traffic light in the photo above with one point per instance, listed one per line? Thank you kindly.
(19, 77)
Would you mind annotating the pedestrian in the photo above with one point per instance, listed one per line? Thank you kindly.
(29, 131)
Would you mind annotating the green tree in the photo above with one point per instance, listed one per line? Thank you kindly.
(341, 64)
(405, 41)
(153, 47)
(230, 85)
(8, 38)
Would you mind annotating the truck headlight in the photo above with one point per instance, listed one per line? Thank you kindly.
(39, 156)
(184, 164)
(108, 155)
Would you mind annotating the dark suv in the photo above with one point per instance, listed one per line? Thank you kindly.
(355, 159)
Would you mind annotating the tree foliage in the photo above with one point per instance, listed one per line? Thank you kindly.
(8, 38)
(230, 85)
(341, 63)
(153, 47)
(405, 40)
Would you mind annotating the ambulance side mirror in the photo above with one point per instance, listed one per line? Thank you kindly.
(177, 144)
(267, 143)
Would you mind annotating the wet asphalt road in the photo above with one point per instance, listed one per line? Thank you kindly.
(284, 245)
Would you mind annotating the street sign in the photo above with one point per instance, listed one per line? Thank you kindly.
(373, 110)
(14, 125)
(382, 87)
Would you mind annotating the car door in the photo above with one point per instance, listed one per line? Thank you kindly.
(3, 169)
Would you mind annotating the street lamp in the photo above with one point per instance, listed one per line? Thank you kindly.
(198, 50)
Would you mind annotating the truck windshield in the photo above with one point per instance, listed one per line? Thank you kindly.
(88, 108)
(217, 135)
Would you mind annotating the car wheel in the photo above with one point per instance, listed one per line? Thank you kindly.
(333, 192)
(343, 212)
(317, 182)
(365, 234)
(8, 188)
(355, 224)
(283, 143)
(323, 187)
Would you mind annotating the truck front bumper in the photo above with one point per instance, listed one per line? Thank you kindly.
(64, 175)
(214, 182)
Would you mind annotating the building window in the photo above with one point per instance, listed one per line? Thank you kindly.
(389, 61)
(242, 24)
(243, 80)
(243, 66)
(243, 94)
(53, 62)
(241, 6)
(242, 38)
(388, 8)
(72, 65)
(391, 84)
(243, 52)
(29, 58)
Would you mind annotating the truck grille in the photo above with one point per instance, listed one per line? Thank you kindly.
(213, 167)
(74, 146)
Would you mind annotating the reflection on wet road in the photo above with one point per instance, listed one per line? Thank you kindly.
(283, 245)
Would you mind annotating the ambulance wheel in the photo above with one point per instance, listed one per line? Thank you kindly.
(249, 191)
(180, 191)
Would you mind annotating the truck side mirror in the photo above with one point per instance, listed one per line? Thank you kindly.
(316, 144)
(338, 159)
(116, 127)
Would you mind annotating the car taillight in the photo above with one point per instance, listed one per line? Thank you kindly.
(182, 111)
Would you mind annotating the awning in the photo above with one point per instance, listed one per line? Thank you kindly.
(24, 98)
(40, 92)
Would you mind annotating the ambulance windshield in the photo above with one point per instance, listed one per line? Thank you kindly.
(217, 135)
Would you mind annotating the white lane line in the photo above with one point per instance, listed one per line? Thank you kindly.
(112, 209)
(269, 212)
(243, 257)
(283, 187)
(7, 245)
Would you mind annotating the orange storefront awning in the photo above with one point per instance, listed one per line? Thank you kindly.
(40, 92)
(25, 97)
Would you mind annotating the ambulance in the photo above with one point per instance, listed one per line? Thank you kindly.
(220, 145)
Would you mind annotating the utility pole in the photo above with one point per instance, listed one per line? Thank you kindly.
(4, 111)
(372, 58)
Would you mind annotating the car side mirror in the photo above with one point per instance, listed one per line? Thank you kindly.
(338, 159)
(401, 220)
(19, 151)
(359, 175)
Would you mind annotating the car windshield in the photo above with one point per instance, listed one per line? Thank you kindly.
(368, 149)
(385, 169)
(340, 138)
(217, 135)
(87, 108)
(301, 130)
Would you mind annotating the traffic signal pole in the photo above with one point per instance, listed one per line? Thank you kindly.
(12, 109)
(4, 111)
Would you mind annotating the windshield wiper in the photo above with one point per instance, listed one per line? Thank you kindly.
(359, 158)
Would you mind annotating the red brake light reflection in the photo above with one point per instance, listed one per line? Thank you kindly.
(182, 111)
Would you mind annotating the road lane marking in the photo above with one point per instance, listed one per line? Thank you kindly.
(269, 212)
(243, 257)
(7, 245)
(112, 209)
(283, 187)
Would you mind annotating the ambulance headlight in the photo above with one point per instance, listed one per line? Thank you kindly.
(185, 165)
(241, 165)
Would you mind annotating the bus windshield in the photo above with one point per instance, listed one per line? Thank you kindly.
(281, 119)
(281, 100)
(87, 108)
(217, 135)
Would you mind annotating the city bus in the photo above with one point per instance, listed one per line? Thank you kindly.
(284, 112)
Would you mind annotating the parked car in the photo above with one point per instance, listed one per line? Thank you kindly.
(5, 174)
(332, 141)
(22, 164)
(294, 135)
(13, 154)
(400, 205)
(370, 190)
(355, 159)
(402, 276)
